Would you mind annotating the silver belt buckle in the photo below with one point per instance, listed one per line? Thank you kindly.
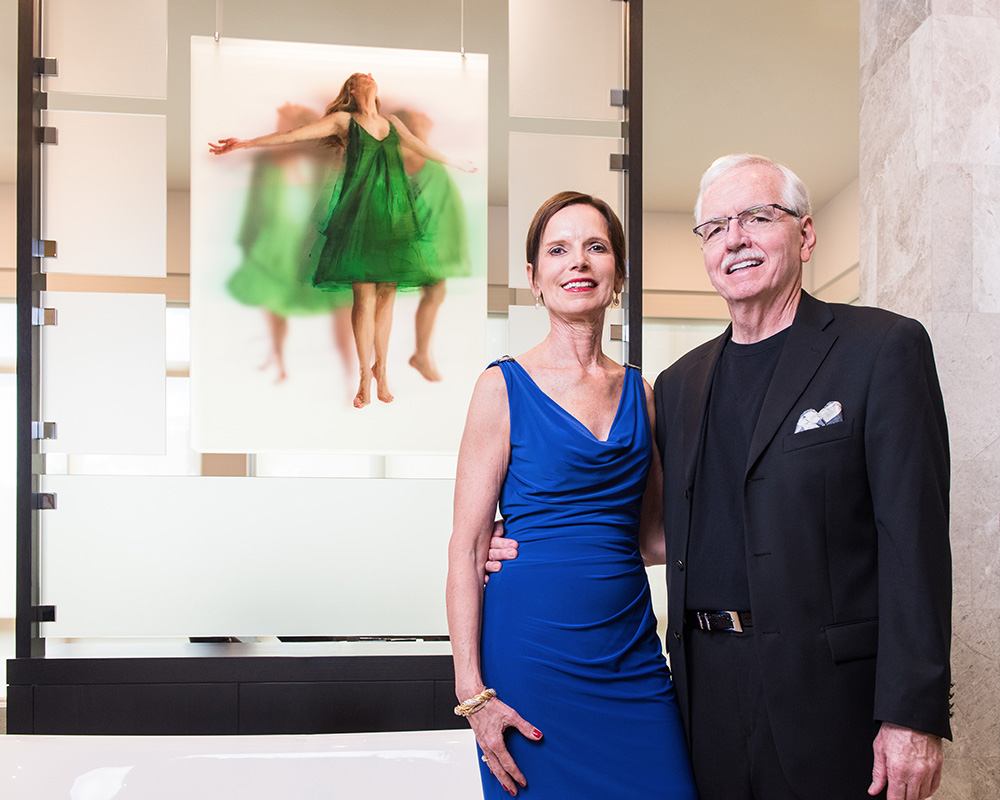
(705, 622)
(735, 617)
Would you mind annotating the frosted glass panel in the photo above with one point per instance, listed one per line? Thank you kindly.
(103, 373)
(105, 193)
(245, 556)
(540, 166)
(8, 474)
(8, 334)
(528, 326)
(179, 458)
(565, 58)
(663, 342)
(319, 465)
(178, 329)
(115, 47)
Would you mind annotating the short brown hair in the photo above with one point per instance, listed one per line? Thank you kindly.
(555, 204)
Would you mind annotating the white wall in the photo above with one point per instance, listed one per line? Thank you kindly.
(834, 265)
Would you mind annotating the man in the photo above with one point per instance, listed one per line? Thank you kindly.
(805, 500)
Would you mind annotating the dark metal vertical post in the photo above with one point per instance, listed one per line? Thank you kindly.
(28, 643)
(633, 178)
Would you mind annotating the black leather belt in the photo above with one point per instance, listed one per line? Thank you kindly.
(734, 621)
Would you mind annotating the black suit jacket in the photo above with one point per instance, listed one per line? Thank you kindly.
(846, 535)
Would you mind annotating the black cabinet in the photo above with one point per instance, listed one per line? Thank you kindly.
(230, 695)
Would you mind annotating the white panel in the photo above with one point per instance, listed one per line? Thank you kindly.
(664, 342)
(496, 337)
(421, 467)
(103, 372)
(8, 217)
(178, 330)
(179, 458)
(114, 47)
(542, 165)
(565, 58)
(245, 556)
(8, 334)
(8, 478)
(417, 765)
(529, 325)
(319, 465)
(105, 193)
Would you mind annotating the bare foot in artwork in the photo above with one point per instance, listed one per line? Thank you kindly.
(279, 363)
(425, 366)
(363, 397)
(381, 385)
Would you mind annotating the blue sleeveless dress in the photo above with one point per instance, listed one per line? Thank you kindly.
(568, 633)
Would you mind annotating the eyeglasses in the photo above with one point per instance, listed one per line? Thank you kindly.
(753, 219)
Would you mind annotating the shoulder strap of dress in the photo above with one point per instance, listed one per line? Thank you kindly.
(499, 361)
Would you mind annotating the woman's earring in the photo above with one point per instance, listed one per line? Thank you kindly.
(618, 298)
(538, 303)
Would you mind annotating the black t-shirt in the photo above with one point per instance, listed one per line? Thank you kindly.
(717, 567)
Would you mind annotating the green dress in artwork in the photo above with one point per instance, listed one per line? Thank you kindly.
(370, 232)
(275, 236)
(441, 213)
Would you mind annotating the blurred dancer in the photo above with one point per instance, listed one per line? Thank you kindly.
(275, 238)
(445, 241)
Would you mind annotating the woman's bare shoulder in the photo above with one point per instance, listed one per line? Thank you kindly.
(491, 385)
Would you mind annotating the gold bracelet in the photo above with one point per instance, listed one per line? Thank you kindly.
(473, 704)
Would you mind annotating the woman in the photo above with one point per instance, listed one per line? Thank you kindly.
(562, 438)
(368, 238)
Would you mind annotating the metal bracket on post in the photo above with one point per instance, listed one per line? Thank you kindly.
(43, 430)
(619, 97)
(48, 67)
(44, 316)
(43, 501)
(44, 248)
(619, 162)
(44, 613)
(48, 135)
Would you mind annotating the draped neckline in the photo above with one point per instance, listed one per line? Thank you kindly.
(370, 134)
(569, 415)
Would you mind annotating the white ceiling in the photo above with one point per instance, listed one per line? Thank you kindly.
(779, 77)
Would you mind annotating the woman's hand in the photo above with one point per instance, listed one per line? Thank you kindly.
(489, 724)
(225, 146)
(501, 550)
(466, 166)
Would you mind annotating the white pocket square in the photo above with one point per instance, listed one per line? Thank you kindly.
(811, 418)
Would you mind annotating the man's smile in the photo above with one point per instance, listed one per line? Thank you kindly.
(734, 262)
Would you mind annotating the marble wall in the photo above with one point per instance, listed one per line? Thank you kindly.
(930, 248)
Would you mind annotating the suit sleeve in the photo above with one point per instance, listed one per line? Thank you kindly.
(906, 446)
(661, 415)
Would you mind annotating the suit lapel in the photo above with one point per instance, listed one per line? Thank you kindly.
(804, 351)
(695, 399)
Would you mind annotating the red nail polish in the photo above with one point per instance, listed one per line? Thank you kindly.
(536, 733)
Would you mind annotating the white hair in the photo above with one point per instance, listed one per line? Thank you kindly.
(794, 193)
